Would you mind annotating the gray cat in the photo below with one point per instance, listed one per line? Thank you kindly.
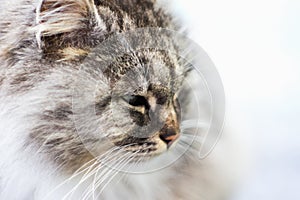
(84, 116)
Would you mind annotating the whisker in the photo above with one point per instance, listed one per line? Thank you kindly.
(186, 151)
(125, 163)
(122, 163)
(124, 175)
(193, 123)
(193, 148)
(108, 164)
(75, 174)
(91, 189)
(191, 138)
(89, 173)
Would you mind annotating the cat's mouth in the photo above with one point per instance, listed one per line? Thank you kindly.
(149, 147)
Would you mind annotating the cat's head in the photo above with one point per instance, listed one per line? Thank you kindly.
(104, 95)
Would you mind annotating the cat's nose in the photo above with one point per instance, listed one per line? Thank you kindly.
(169, 135)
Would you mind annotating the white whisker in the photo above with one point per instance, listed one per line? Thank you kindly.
(121, 164)
(125, 163)
(106, 168)
(193, 123)
(101, 159)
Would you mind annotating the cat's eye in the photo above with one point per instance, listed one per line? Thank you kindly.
(136, 101)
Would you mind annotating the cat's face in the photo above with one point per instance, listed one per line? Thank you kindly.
(149, 117)
(139, 110)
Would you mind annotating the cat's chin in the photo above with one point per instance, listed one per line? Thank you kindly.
(162, 154)
(154, 151)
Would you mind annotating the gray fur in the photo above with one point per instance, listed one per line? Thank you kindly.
(35, 58)
(45, 45)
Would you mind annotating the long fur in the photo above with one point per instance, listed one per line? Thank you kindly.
(42, 44)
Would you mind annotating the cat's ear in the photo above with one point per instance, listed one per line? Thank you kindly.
(65, 19)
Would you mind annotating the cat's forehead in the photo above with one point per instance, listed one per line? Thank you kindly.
(136, 72)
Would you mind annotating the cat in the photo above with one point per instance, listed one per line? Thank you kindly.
(79, 120)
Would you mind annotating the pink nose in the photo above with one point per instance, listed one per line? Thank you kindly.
(169, 135)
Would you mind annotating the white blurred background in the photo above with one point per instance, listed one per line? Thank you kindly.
(255, 45)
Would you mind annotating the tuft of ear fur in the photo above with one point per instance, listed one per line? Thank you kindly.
(55, 17)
